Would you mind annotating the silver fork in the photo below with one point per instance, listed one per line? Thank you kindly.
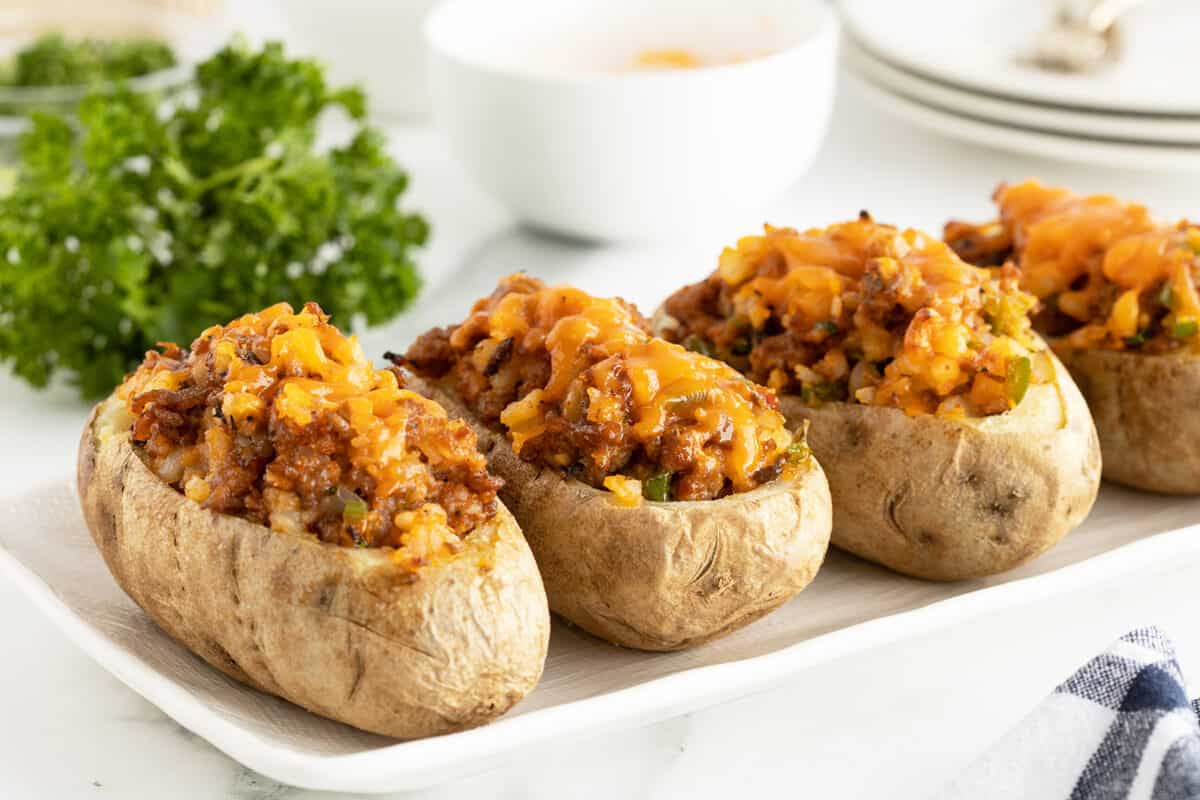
(1082, 37)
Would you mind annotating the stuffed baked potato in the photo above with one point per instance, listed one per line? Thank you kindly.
(311, 529)
(662, 495)
(1120, 308)
(955, 443)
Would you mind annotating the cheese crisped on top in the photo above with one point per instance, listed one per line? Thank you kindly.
(279, 418)
(1108, 273)
(579, 384)
(867, 313)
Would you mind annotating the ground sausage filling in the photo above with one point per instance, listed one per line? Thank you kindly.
(578, 384)
(865, 313)
(280, 419)
(1108, 274)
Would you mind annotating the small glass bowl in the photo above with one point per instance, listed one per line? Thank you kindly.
(192, 36)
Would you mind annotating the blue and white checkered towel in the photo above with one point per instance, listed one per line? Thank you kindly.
(1121, 727)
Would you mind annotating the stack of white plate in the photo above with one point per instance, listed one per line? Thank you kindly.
(956, 67)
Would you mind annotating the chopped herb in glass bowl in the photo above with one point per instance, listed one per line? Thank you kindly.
(54, 53)
(53, 59)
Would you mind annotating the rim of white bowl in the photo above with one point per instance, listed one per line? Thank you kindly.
(826, 25)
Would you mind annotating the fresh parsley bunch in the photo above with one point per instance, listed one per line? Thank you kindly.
(148, 221)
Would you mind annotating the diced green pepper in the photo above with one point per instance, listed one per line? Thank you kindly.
(797, 451)
(1004, 313)
(657, 487)
(1185, 328)
(836, 390)
(827, 326)
(699, 345)
(1137, 340)
(354, 511)
(1016, 383)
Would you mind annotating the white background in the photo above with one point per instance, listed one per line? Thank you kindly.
(896, 723)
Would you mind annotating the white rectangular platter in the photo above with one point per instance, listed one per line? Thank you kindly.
(851, 608)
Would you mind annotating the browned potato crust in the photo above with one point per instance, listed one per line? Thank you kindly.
(944, 499)
(337, 631)
(1145, 411)
(661, 576)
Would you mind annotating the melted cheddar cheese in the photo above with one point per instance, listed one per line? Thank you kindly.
(280, 417)
(1116, 277)
(611, 400)
(865, 312)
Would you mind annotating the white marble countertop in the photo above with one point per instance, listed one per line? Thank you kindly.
(897, 724)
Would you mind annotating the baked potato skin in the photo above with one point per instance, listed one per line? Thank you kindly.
(1144, 408)
(945, 500)
(330, 629)
(660, 576)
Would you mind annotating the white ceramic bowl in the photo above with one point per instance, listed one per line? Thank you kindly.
(540, 102)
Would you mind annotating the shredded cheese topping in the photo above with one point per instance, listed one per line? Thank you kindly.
(1117, 277)
(280, 417)
(578, 384)
(868, 313)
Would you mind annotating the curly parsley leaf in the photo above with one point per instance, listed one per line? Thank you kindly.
(149, 221)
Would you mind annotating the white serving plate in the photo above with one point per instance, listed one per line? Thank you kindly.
(1141, 128)
(850, 609)
(1030, 141)
(977, 45)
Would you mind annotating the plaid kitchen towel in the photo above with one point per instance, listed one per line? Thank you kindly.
(1121, 727)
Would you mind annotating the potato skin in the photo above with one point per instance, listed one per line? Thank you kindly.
(943, 499)
(337, 631)
(661, 576)
(1144, 408)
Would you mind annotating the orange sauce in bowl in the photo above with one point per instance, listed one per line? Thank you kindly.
(678, 58)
